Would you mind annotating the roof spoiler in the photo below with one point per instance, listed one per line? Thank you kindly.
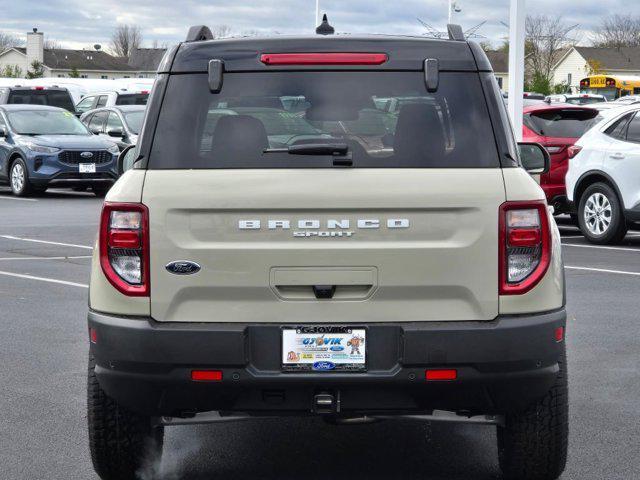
(455, 32)
(199, 33)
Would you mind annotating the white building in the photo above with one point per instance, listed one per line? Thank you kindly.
(500, 63)
(580, 62)
(95, 64)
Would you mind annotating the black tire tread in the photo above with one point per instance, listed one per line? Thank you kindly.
(120, 441)
(533, 444)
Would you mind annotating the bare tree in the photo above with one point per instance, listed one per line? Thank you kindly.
(221, 31)
(618, 31)
(125, 39)
(547, 38)
(8, 41)
(51, 44)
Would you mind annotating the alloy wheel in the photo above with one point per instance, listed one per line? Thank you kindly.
(17, 177)
(597, 213)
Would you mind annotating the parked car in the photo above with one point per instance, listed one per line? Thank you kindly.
(557, 126)
(603, 181)
(235, 276)
(37, 95)
(110, 99)
(628, 100)
(41, 147)
(576, 99)
(119, 124)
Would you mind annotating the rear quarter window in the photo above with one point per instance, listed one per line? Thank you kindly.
(386, 118)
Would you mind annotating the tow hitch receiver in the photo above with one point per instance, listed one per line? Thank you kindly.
(326, 403)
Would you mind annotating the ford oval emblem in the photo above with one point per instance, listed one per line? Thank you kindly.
(324, 366)
(86, 154)
(182, 267)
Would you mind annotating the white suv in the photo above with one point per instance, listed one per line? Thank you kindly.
(603, 180)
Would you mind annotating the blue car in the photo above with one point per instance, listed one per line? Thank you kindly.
(43, 146)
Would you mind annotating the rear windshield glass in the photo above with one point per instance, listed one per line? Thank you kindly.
(134, 121)
(386, 119)
(53, 98)
(561, 123)
(132, 99)
(584, 100)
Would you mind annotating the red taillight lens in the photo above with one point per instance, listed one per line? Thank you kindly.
(124, 247)
(552, 149)
(573, 150)
(440, 375)
(323, 58)
(559, 334)
(206, 375)
(525, 246)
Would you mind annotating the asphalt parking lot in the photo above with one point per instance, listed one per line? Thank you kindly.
(45, 248)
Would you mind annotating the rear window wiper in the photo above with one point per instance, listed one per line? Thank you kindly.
(335, 149)
(340, 151)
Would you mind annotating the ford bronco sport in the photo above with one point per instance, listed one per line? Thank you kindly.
(265, 256)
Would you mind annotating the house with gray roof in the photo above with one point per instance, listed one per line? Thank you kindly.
(580, 62)
(95, 63)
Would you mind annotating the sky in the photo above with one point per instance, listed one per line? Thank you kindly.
(83, 23)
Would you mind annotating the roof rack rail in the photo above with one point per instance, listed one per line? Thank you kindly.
(455, 32)
(199, 33)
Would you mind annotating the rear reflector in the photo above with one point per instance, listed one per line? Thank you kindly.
(124, 239)
(559, 334)
(93, 335)
(440, 375)
(323, 58)
(206, 375)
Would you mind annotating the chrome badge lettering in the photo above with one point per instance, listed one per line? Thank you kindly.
(312, 227)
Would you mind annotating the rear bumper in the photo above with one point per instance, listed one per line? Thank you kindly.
(502, 365)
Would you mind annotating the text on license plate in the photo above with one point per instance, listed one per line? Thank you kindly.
(87, 167)
(326, 348)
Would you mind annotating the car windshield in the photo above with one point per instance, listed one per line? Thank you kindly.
(134, 121)
(567, 123)
(385, 119)
(132, 99)
(52, 98)
(46, 122)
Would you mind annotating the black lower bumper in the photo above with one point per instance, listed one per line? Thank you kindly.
(502, 365)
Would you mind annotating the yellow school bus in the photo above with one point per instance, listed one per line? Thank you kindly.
(611, 86)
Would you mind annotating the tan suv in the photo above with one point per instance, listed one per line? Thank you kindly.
(262, 257)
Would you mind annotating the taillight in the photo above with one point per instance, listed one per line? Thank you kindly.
(525, 246)
(338, 58)
(554, 148)
(573, 150)
(124, 247)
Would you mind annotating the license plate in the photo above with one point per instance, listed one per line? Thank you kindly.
(324, 349)
(87, 167)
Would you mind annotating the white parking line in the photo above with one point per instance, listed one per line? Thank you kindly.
(602, 270)
(20, 199)
(45, 258)
(11, 237)
(43, 279)
(637, 250)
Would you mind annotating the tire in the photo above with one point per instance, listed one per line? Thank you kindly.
(121, 442)
(100, 190)
(532, 445)
(19, 178)
(598, 205)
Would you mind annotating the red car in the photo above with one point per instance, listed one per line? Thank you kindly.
(557, 126)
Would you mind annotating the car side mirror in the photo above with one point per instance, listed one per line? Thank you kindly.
(116, 132)
(126, 159)
(534, 157)
(95, 131)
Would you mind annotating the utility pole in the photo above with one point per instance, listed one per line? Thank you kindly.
(450, 12)
(317, 14)
(517, 20)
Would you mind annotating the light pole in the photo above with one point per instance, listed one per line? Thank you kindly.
(317, 14)
(453, 7)
(517, 20)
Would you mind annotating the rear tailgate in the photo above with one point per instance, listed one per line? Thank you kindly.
(438, 261)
